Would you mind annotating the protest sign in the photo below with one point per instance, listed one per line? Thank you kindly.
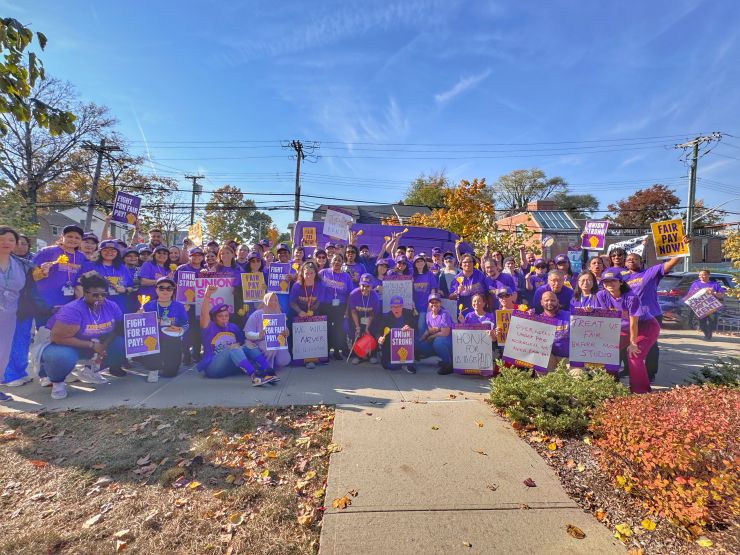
(253, 287)
(594, 235)
(636, 245)
(702, 303)
(529, 341)
(403, 286)
(140, 334)
(594, 337)
(309, 237)
(224, 293)
(503, 318)
(277, 278)
(576, 263)
(125, 208)
(668, 239)
(402, 346)
(273, 325)
(548, 241)
(337, 223)
(195, 233)
(310, 342)
(472, 350)
(185, 287)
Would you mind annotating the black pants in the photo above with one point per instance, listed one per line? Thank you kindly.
(709, 324)
(335, 326)
(192, 339)
(167, 361)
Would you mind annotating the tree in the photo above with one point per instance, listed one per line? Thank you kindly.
(731, 250)
(427, 190)
(230, 216)
(17, 80)
(579, 206)
(515, 190)
(703, 216)
(31, 156)
(14, 210)
(639, 210)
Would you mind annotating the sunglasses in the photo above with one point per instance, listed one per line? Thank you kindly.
(165, 288)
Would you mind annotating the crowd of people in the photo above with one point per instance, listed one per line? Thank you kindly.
(64, 305)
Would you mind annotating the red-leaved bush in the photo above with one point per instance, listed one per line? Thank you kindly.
(678, 451)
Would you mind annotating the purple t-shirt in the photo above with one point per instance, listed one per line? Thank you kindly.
(115, 276)
(468, 286)
(537, 280)
(487, 318)
(584, 301)
(336, 286)
(150, 270)
(564, 297)
(355, 270)
(365, 306)
(216, 339)
(423, 285)
(51, 287)
(644, 284)
(492, 285)
(441, 320)
(561, 343)
(93, 322)
(699, 284)
(628, 304)
(175, 311)
(300, 295)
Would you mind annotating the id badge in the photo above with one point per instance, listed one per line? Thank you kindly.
(335, 302)
(68, 290)
(166, 322)
(363, 321)
(112, 290)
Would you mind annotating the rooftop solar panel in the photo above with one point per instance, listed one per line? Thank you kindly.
(555, 219)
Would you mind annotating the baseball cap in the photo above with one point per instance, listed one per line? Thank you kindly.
(396, 300)
(90, 236)
(559, 259)
(401, 258)
(72, 228)
(218, 308)
(366, 279)
(195, 250)
(614, 273)
(253, 256)
(434, 297)
(329, 245)
(166, 280)
(381, 261)
(108, 244)
(504, 291)
(540, 262)
(160, 248)
(282, 247)
(436, 250)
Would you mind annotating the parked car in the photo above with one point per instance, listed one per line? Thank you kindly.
(672, 290)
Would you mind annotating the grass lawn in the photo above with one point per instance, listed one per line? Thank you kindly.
(164, 481)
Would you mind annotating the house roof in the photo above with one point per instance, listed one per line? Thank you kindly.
(57, 219)
(373, 213)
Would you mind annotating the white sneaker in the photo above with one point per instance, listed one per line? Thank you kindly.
(310, 365)
(86, 375)
(355, 360)
(59, 390)
(44, 381)
(373, 360)
(19, 382)
(153, 376)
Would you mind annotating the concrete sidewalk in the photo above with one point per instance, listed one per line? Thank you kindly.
(421, 490)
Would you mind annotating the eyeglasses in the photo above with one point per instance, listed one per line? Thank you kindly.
(615, 255)
(165, 288)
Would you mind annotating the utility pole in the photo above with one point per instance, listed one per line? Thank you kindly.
(694, 146)
(197, 190)
(302, 152)
(101, 150)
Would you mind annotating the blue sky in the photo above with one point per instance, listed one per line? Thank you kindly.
(394, 89)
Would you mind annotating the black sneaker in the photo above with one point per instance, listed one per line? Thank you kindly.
(117, 372)
(444, 370)
(337, 355)
(410, 368)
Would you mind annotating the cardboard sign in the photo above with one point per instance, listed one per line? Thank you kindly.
(140, 334)
(472, 350)
(594, 235)
(253, 287)
(402, 346)
(702, 303)
(310, 340)
(668, 239)
(630, 246)
(529, 341)
(185, 292)
(403, 286)
(309, 237)
(277, 278)
(126, 208)
(594, 337)
(337, 223)
(273, 325)
(224, 293)
(503, 319)
(195, 233)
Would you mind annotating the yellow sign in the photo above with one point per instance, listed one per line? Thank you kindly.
(309, 237)
(668, 239)
(253, 287)
(503, 318)
(195, 233)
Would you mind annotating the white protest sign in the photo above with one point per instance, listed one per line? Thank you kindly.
(530, 340)
(402, 286)
(310, 340)
(472, 349)
(224, 293)
(702, 303)
(337, 223)
(594, 337)
(630, 245)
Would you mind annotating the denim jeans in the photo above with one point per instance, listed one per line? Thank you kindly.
(229, 363)
(439, 346)
(58, 361)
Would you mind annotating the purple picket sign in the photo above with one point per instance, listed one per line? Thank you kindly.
(594, 338)
(185, 287)
(594, 235)
(277, 277)
(273, 326)
(140, 334)
(126, 208)
(402, 346)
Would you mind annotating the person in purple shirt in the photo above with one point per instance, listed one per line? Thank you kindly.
(534, 280)
(364, 308)
(437, 262)
(495, 280)
(109, 265)
(396, 317)
(88, 328)
(468, 282)
(153, 270)
(424, 283)
(479, 315)
(517, 275)
(192, 345)
(337, 287)
(254, 332)
(321, 258)
(223, 353)
(354, 268)
(709, 323)
(562, 263)
(437, 338)
(402, 266)
(639, 328)
(556, 284)
(307, 292)
(561, 343)
(56, 272)
(584, 295)
(596, 266)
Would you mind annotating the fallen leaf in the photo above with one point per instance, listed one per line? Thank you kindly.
(236, 518)
(517, 425)
(272, 455)
(530, 483)
(121, 545)
(587, 440)
(143, 461)
(333, 448)
(479, 423)
(492, 487)
(453, 396)
(648, 524)
(704, 542)
(621, 481)
(219, 494)
(189, 412)
(635, 551)
(353, 492)
(230, 479)
(92, 521)
(600, 515)
(181, 502)
(341, 502)
(570, 463)
(622, 532)
(122, 534)
(194, 485)
(524, 507)
(581, 467)
(467, 544)
(575, 531)
(435, 427)
(552, 446)
(310, 475)
(480, 452)
(368, 413)
(305, 520)
(695, 530)
(265, 473)
(39, 464)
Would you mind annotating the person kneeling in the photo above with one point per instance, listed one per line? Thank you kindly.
(254, 332)
(398, 317)
(437, 339)
(87, 329)
(223, 353)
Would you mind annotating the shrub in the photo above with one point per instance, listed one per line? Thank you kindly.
(557, 403)
(677, 451)
(720, 372)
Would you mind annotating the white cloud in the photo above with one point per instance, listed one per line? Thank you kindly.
(461, 86)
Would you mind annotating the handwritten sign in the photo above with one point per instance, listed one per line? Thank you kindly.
(273, 325)
(185, 287)
(472, 350)
(310, 340)
(125, 208)
(636, 245)
(253, 287)
(140, 334)
(402, 346)
(403, 286)
(702, 303)
(668, 239)
(594, 338)
(594, 235)
(503, 318)
(277, 278)
(529, 341)
(309, 237)
(337, 223)
(224, 293)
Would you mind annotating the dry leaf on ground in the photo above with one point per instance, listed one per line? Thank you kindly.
(530, 483)
(341, 502)
(92, 521)
(575, 531)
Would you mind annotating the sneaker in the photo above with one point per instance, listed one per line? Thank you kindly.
(86, 375)
(310, 365)
(272, 379)
(5, 397)
(44, 381)
(256, 381)
(117, 372)
(355, 360)
(410, 368)
(153, 376)
(59, 390)
(444, 370)
(373, 360)
(337, 355)
(19, 382)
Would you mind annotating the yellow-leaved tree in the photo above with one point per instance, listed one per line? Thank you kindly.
(731, 250)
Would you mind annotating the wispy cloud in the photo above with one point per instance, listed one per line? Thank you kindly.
(143, 138)
(632, 159)
(461, 86)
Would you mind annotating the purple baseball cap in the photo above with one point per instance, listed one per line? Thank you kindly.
(282, 247)
(614, 273)
(329, 245)
(366, 279)
(436, 250)
(381, 262)
(195, 250)
(396, 300)
(561, 258)
(253, 256)
(401, 258)
(540, 262)
(504, 291)
(433, 296)
(108, 244)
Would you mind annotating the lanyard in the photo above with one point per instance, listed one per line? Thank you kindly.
(74, 261)
(165, 311)
(309, 299)
(6, 273)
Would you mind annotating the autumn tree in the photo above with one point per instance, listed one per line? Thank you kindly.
(731, 251)
(427, 190)
(516, 189)
(14, 210)
(228, 215)
(639, 210)
(578, 206)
